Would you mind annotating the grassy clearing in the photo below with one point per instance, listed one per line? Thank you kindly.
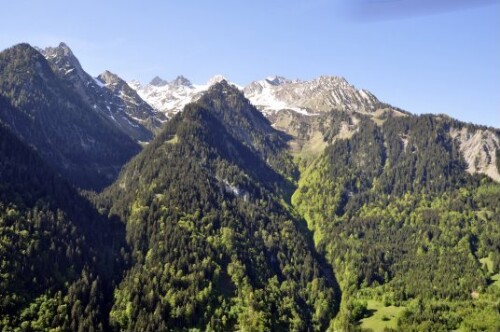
(310, 149)
(381, 316)
(488, 262)
(495, 279)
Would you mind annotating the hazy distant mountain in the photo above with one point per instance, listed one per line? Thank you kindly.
(269, 95)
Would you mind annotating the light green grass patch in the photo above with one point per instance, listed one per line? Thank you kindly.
(495, 280)
(488, 262)
(381, 317)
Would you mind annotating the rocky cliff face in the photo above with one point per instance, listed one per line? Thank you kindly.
(322, 94)
(479, 148)
(108, 95)
(47, 111)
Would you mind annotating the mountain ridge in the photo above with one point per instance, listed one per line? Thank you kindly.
(218, 146)
(113, 99)
(45, 112)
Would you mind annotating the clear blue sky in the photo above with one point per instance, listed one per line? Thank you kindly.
(424, 60)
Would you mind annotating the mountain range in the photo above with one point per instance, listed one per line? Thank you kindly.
(283, 205)
(300, 108)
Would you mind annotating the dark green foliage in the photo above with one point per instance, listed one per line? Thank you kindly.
(58, 257)
(213, 246)
(441, 316)
(394, 206)
(430, 162)
(40, 109)
(247, 125)
(332, 124)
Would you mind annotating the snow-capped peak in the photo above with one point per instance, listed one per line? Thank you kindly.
(270, 95)
(309, 97)
(216, 79)
(135, 84)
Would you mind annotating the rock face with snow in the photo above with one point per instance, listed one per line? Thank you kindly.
(109, 95)
(170, 97)
(322, 94)
(310, 111)
(130, 102)
(270, 95)
(48, 107)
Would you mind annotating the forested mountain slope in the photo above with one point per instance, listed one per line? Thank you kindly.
(402, 222)
(68, 134)
(214, 245)
(58, 257)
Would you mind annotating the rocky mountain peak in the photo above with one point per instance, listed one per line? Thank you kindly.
(107, 94)
(332, 79)
(276, 80)
(322, 94)
(65, 48)
(157, 81)
(110, 78)
(216, 79)
(225, 87)
(61, 55)
(181, 81)
(65, 63)
(61, 50)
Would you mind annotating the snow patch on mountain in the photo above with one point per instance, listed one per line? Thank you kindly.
(99, 83)
(270, 95)
(171, 97)
(309, 97)
(262, 95)
(107, 94)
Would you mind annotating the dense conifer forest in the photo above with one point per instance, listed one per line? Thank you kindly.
(214, 246)
(60, 258)
(406, 225)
